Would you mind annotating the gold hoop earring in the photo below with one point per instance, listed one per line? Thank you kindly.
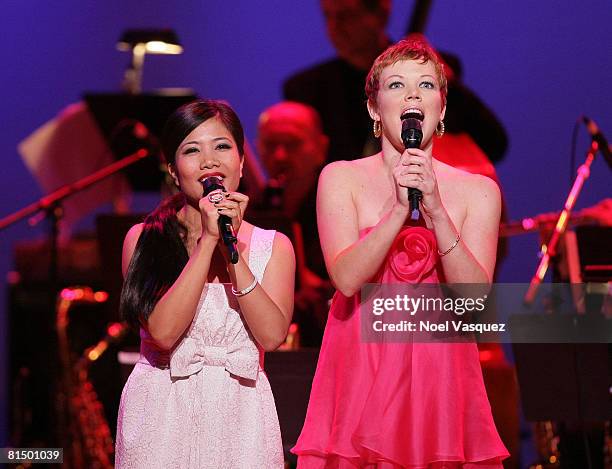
(377, 129)
(440, 129)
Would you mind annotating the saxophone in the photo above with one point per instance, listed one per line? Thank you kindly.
(83, 428)
(547, 445)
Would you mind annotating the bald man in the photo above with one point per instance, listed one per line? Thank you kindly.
(293, 149)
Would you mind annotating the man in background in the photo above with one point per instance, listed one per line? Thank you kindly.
(335, 88)
(293, 149)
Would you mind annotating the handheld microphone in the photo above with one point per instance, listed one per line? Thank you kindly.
(226, 229)
(412, 136)
(598, 136)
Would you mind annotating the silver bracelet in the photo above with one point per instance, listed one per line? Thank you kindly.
(247, 290)
(442, 254)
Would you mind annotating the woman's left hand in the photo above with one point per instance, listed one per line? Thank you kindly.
(233, 205)
(418, 173)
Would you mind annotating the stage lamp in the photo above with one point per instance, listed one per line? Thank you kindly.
(141, 42)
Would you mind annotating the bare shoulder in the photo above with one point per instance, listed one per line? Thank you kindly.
(282, 244)
(482, 188)
(473, 186)
(483, 196)
(337, 170)
(129, 244)
(281, 268)
(347, 173)
(132, 236)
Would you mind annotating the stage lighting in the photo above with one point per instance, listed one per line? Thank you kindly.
(141, 42)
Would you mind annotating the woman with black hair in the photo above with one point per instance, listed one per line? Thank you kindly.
(198, 396)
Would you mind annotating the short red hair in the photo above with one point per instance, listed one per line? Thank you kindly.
(415, 47)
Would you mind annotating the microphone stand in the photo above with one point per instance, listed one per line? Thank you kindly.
(50, 205)
(549, 250)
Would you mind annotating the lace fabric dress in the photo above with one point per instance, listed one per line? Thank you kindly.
(397, 405)
(207, 403)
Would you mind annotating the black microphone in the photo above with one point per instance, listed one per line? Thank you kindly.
(412, 136)
(226, 229)
(597, 136)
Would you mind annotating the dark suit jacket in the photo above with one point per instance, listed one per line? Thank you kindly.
(336, 90)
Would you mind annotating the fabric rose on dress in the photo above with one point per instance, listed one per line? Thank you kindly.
(413, 254)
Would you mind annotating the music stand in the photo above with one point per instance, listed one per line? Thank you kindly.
(595, 252)
(111, 109)
(569, 383)
(564, 382)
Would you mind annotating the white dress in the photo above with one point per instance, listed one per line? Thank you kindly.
(208, 403)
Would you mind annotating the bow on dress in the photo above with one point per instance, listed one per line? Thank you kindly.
(235, 357)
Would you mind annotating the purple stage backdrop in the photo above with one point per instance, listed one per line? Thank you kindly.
(538, 65)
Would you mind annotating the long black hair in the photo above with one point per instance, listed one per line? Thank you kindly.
(160, 253)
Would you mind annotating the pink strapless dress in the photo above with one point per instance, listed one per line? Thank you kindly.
(397, 405)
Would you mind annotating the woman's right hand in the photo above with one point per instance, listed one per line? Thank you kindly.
(210, 217)
(401, 180)
(415, 170)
